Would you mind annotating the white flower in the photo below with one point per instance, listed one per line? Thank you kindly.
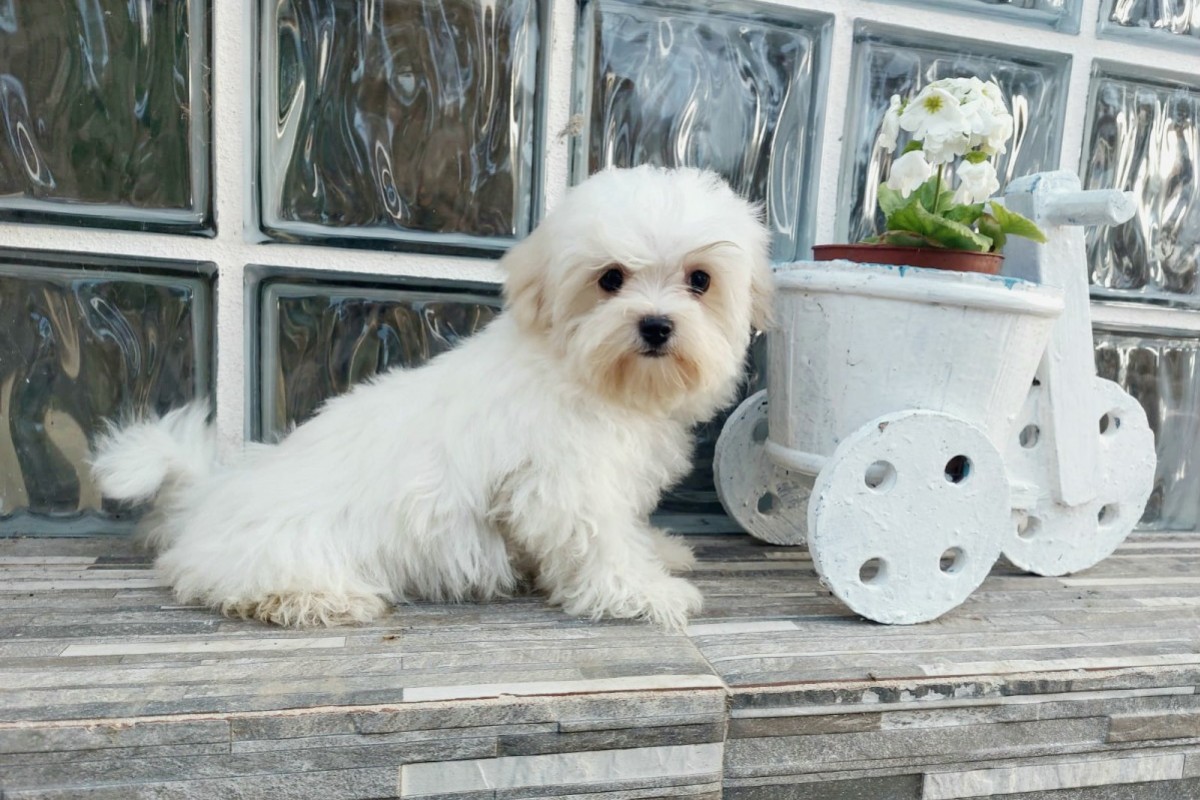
(891, 125)
(991, 124)
(983, 120)
(940, 150)
(991, 90)
(936, 119)
(965, 89)
(977, 182)
(908, 172)
(1001, 132)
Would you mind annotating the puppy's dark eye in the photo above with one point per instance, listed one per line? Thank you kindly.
(612, 279)
(698, 281)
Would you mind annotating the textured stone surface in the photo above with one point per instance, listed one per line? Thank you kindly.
(1052, 777)
(892, 787)
(123, 693)
(1151, 727)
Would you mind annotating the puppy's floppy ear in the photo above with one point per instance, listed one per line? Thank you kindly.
(762, 294)
(762, 278)
(524, 284)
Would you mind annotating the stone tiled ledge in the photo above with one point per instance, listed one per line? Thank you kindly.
(1081, 688)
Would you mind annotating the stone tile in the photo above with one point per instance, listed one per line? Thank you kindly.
(197, 645)
(448, 737)
(748, 626)
(935, 692)
(244, 765)
(893, 787)
(630, 684)
(56, 760)
(1050, 777)
(103, 736)
(706, 789)
(519, 744)
(785, 755)
(748, 728)
(1154, 790)
(1151, 727)
(452, 718)
(561, 770)
(342, 784)
(569, 713)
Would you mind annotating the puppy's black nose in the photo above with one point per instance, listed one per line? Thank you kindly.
(655, 331)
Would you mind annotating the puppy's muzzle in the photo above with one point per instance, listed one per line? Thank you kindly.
(656, 333)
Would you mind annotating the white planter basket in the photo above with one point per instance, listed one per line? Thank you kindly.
(906, 438)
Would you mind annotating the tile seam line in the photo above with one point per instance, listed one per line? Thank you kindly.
(726, 689)
(218, 716)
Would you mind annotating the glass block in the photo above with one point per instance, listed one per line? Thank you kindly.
(1163, 372)
(1144, 137)
(319, 338)
(1169, 23)
(734, 88)
(84, 339)
(400, 120)
(1061, 15)
(891, 61)
(104, 113)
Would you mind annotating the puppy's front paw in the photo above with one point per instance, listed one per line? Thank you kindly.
(659, 598)
(670, 601)
(675, 555)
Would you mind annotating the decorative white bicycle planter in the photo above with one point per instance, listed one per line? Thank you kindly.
(922, 423)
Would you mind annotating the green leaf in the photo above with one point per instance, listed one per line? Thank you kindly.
(966, 214)
(890, 201)
(915, 144)
(1014, 224)
(975, 157)
(906, 239)
(988, 226)
(915, 218)
(929, 196)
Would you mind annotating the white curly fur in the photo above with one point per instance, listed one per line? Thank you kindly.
(537, 449)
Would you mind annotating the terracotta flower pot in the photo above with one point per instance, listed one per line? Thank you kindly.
(928, 257)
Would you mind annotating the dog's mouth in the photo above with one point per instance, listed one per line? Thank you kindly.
(654, 352)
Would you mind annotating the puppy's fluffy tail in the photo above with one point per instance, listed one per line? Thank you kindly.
(134, 461)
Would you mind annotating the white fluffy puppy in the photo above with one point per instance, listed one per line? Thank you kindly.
(536, 449)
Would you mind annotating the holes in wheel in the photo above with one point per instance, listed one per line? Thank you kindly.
(880, 476)
(761, 429)
(1029, 436)
(872, 571)
(1109, 423)
(958, 469)
(1108, 514)
(952, 560)
(1028, 527)
(768, 503)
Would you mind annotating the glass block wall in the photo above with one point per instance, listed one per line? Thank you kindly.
(86, 339)
(373, 159)
(399, 120)
(1143, 136)
(1165, 23)
(104, 113)
(1062, 15)
(1161, 369)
